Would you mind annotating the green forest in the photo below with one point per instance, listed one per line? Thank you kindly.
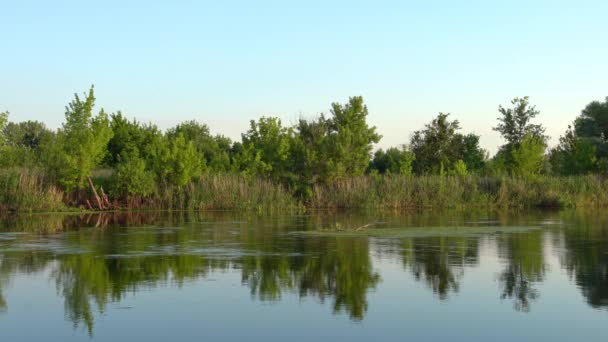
(101, 161)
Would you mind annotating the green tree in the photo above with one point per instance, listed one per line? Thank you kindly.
(126, 136)
(574, 155)
(460, 168)
(132, 177)
(22, 143)
(310, 154)
(266, 149)
(514, 123)
(393, 160)
(80, 144)
(584, 148)
(350, 139)
(528, 156)
(3, 122)
(470, 152)
(175, 160)
(215, 150)
(523, 153)
(439, 146)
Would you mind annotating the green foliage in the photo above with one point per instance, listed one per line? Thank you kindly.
(439, 145)
(310, 154)
(399, 192)
(132, 177)
(23, 142)
(574, 155)
(126, 136)
(393, 161)
(80, 145)
(460, 168)
(266, 150)
(350, 139)
(28, 190)
(27, 134)
(473, 156)
(177, 162)
(528, 156)
(303, 161)
(584, 148)
(523, 153)
(215, 149)
(3, 122)
(515, 122)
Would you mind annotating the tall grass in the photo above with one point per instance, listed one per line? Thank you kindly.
(28, 190)
(228, 192)
(399, 192)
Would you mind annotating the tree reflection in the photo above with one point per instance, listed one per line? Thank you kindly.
(322, 267)
(439, 261)
(523, 254)
(585, 255)
(95, 267)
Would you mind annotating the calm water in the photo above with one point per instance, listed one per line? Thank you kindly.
(223, 276)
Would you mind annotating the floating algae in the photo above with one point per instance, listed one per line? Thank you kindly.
(411, 232)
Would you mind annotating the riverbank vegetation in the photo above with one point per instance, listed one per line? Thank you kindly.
(105, 161)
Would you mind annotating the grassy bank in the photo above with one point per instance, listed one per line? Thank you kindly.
(26, 190)
(397, 192)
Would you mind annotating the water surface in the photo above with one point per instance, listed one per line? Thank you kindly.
(155, 276)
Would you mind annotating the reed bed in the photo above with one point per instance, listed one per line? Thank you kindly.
(229, 192)
(28, 190)
(399, 192)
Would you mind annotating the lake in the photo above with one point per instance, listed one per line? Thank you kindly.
(222, 276)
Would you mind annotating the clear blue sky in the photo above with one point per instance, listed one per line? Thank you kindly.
(226, 62)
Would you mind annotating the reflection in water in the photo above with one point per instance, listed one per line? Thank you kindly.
(585, 256)
(97, 259)
(525, 266)
(439, 261)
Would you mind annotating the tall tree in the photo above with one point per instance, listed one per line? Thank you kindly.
(350, 138)
(439, 146)
(393, 161)
(526, 142)
(215, 150)
(266, 149)
(80, 144)
(514, 123)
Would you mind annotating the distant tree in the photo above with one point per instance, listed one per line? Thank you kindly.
(350, 139)
(3, 122)
(574, 155)
(470, 152)
(310, 154)
(439, 146)
(593, 122)
(215, 150)
(523, 154)
(592, 128)
(22, 143)
(132, 177)
(80, 144)
(27, 134)
(266, 149)
(126, 137)
(393, 161)
(528, 156)
(175, 160)
(514, 123)
(434, 145)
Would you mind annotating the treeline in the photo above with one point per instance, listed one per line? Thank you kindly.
(137, 162)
